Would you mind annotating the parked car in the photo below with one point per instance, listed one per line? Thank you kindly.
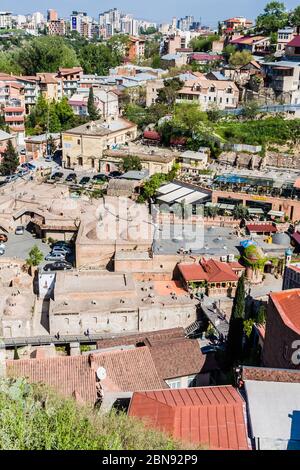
(29, 166)
(101, 177)
(58, 266)
(115, 174)
(71, 177)
(55, 257)
(20, 230)
(11, 178)
(62, 249)
(2, 251)
(212, 348)
(85, 180)
(23, 172)
(61, 243)
(3, 238)
(48, 158)
(57, 175)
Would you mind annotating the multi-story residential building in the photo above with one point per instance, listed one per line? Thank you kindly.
(283, 78)
(70, 79)
(284, 37)
(12, 103)
(282, 330)
(84, 145)
(56, 27)
(106, 102)
(78, 19)
(185, 24)
(253, 44)
(238, 23)
(223, 93)
(136, 49)
(5, 20)
(52, 15)
(38, 19)
(50, 86)
(31, 90)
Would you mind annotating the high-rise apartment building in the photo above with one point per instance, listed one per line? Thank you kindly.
(5, 20)
(52, 15)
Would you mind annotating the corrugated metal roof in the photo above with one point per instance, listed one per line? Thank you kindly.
(173, 195)
(211, 416)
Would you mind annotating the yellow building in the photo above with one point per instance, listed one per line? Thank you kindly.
(84, 145)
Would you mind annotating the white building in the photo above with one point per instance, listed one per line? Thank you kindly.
(5, 20)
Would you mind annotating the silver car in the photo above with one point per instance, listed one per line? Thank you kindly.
(55, 257)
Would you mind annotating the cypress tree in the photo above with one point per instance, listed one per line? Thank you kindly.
(92, 110)
(236, 324)
(10, 160)
(16, 354)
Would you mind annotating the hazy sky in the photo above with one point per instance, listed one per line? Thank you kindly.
(210, 11)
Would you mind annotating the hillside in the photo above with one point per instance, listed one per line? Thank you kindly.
(34, 418)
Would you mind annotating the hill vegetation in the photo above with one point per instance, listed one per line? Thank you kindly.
(32, 417)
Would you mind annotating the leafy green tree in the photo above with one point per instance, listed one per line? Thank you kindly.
(156, 61)
(10, 160)
(261, 315)
(132, 163)
(295, 17)
(240, 58)
(250, 109)
(214, 113)
(236, 324)
(273, 18)
(92, 110)
(98, 58)
(203, 44)
(228, 51)
(35, 256)
(45, 53)
(151, 186)
(168, 94)
(187, 117)
(240, 212)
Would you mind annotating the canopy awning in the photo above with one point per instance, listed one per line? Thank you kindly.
(255, 210)
(276, 213)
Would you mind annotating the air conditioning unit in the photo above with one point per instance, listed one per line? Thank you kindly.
(230, 258)
(223, 259)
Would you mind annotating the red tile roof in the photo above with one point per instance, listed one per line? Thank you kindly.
(210, 416)
(207, 57)
(267, 374)
(295, 42)
(260, 228)
(287, 303)
(209, 270)
(128, 370)
(177, 358)
(173, 354)
(152, 135)
(192, 272)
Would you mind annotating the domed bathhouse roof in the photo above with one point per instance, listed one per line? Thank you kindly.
(281, 238)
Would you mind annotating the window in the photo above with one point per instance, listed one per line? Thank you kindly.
(176, 383)
(78, 141)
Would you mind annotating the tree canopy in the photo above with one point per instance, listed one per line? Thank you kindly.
(45, 54)
(92, 110)
(273, 18)
(240, 58)
(10, 160)
(132, 163)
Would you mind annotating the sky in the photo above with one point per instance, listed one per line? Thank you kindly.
(154, 10)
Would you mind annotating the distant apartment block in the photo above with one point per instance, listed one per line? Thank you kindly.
(5, 20)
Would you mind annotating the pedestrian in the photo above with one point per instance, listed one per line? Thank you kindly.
(88, 332)
(57, 335)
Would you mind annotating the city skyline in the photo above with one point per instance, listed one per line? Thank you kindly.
(146, 11)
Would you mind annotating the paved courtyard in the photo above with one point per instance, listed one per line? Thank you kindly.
(18, 246)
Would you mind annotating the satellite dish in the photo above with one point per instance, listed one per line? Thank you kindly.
(101, 373)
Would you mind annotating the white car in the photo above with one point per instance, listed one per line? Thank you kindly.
(55, 257)
(2, 250)
(62, 249)
(20, 230)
